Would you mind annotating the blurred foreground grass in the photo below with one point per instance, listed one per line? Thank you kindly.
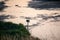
(12, 31)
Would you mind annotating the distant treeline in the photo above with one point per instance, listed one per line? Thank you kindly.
(53, 0)
(46, 0)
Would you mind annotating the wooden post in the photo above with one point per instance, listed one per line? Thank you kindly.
(27, 24)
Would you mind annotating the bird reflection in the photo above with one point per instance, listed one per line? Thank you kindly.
(17, 6)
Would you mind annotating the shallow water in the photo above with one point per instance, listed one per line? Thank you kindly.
(44, 29)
